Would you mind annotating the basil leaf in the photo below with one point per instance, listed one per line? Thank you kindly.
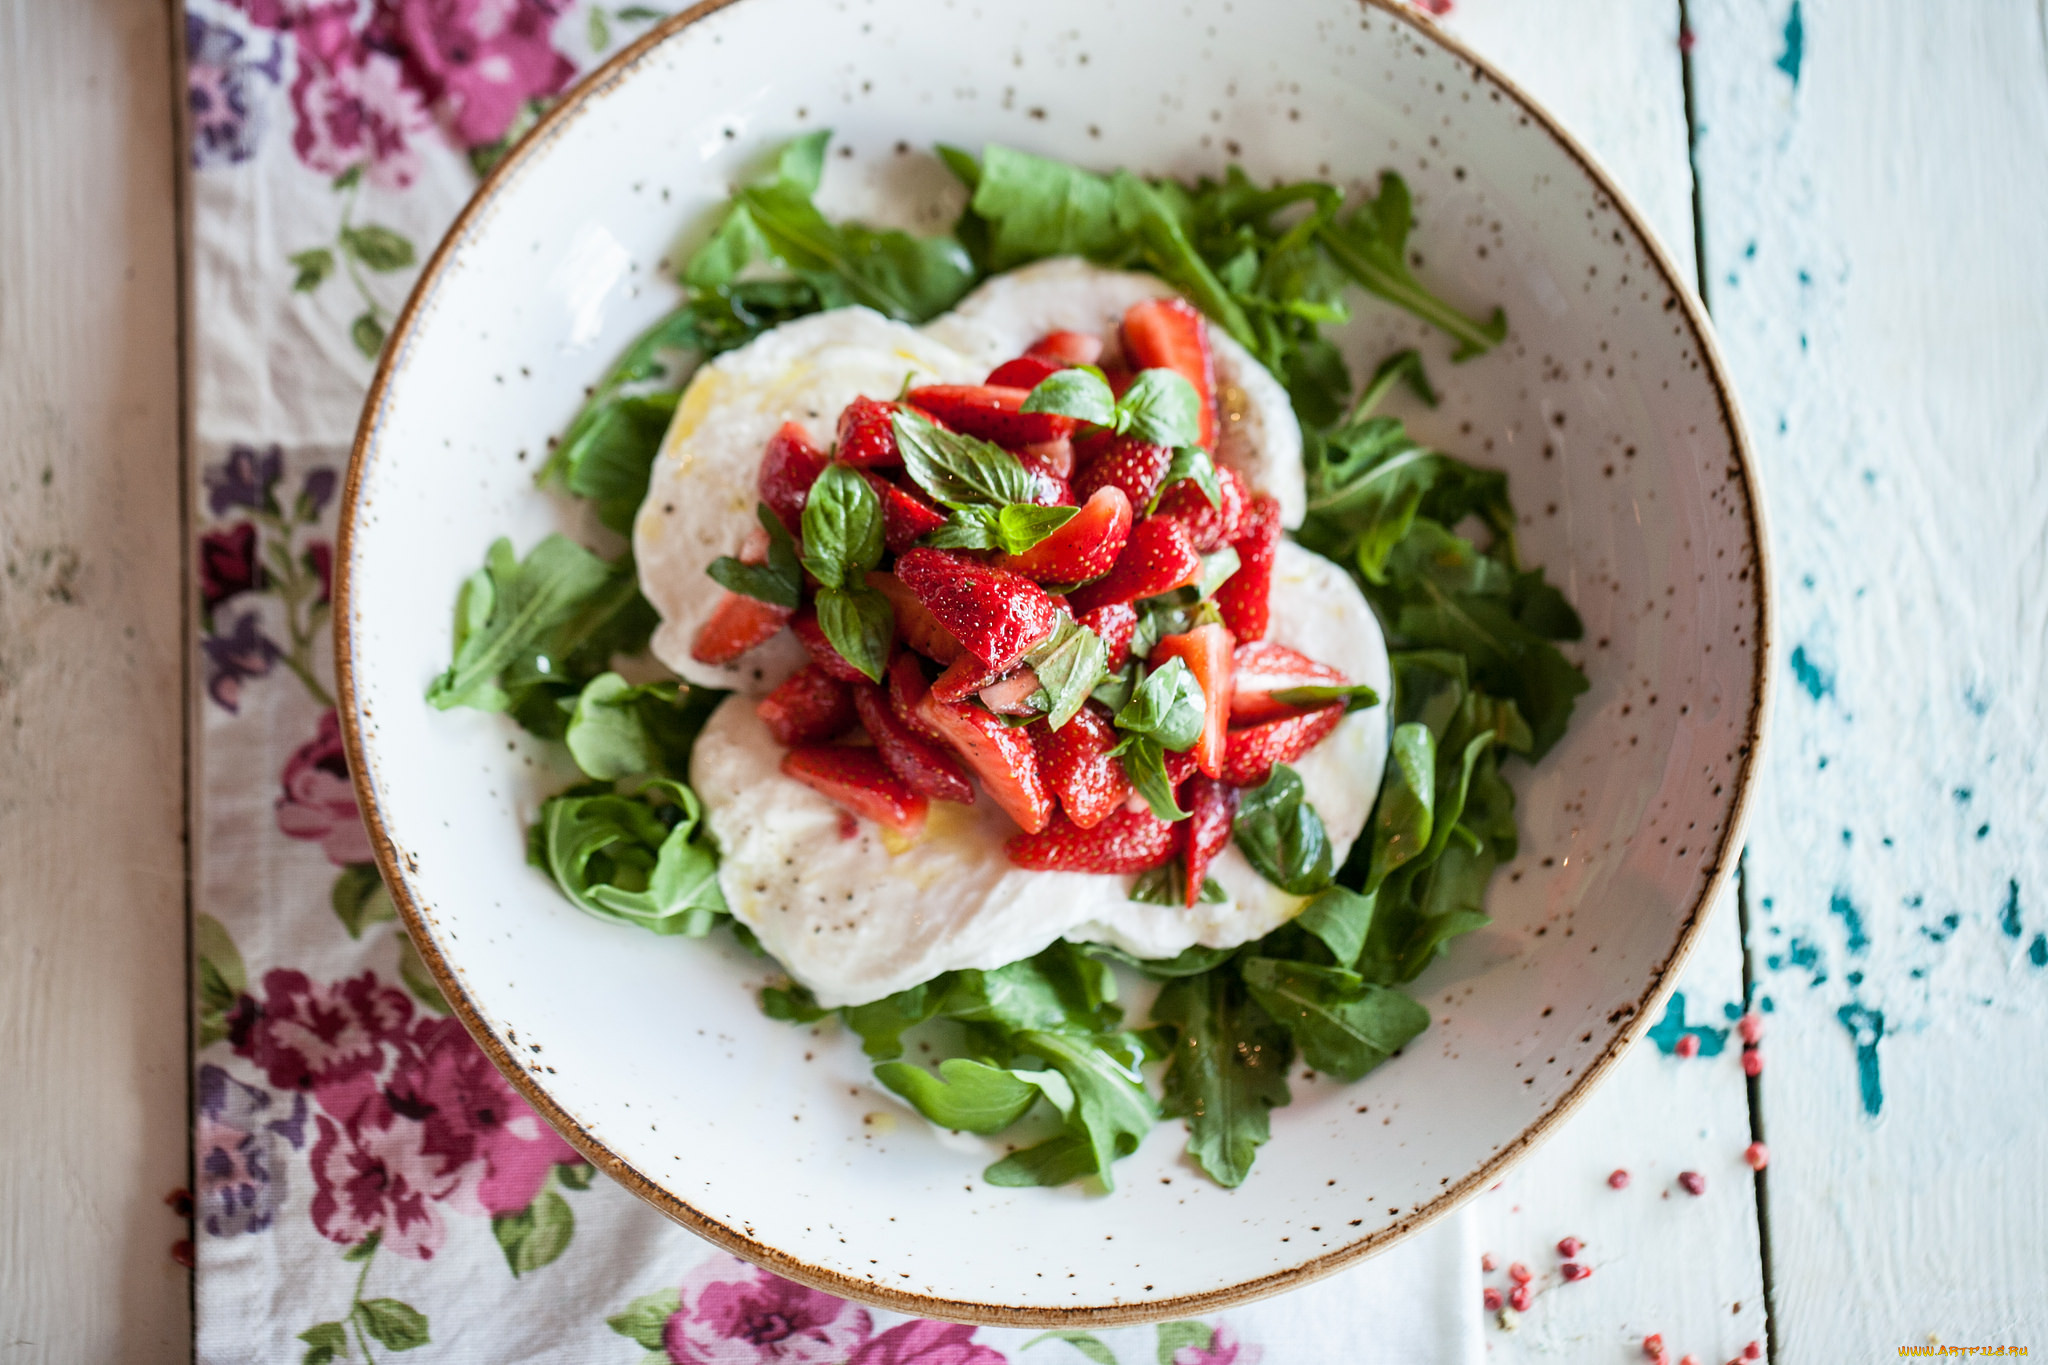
(1355, 696)
(1216, 570)
(1282, 836)
(973, 1097)
(509, 609)
(1079, 391)
(859, 623)
(1145, 761)
(620, 858)
(1372, 246)
(1344, 1026)
(1341, 918)
(1168, 886)
(1405, 816)
(779, 582)
(1189, 461)
(1167, 707)
(1115, 690)
(618, 730)
(1022, 525)
(959, 470)
(968, 528)
(1069, 663)
(1159, 617)
(1161, 408)
(842, 527)
(1226, 1072)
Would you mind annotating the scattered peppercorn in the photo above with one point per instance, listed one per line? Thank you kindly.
(1569, 1247)
(1618, 1180)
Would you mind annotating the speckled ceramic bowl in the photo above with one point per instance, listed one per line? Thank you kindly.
(1607, 405)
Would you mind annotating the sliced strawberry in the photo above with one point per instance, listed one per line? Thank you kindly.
(1068, 348)
(736, 625)
(1026, 372)
(906, 516)
(1243, 597)
(1210, 527)
(996, 615)
(992, 412)
(804, 625)
(1171, 334)
(1158, 558)
(1131, 465)
(867, 434)
(810, 706)
(1086, 547)
(1206, 650)
(1180, 766)
(1050, 489)
(1251, 752)
(1001, 757)
(915, 624)
(859, 780)
(1214, 807)
(964, 677)
(1011, 696)
(789, 467)
(1125, 841)
(1264, 667)
(1050, 457)
(907, 687)
(927, 767)
(1077, 766)
(1115, 623)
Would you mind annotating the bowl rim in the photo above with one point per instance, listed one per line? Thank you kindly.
(1629, 1029)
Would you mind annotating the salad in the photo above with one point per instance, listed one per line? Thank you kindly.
(1029, 603)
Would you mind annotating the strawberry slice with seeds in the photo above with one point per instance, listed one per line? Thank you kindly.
(1049, 457)
(810, 706)
(926, 767)
(1068, 348)
(1243, 598)
(991, 411)
(1263, 668)
(1214, 807)
(1125, 841)
(789, 467)
(867, 434)
(914, 622)
(1086, 547)
(1026, 372)
(996, 615)
(1001, 757)
(1115, 624)
(906, 516)
(1157, 558)
(1171, 334)
(1207, 651)
(804, 625)
(964, 677)
(907, 687)
(736, 625)
(1131, 465)
(1011, 696)
(1250, 752)
(1077, 766)
(859, 781)
(1210, 527)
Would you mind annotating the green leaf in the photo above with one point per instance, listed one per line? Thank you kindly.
(972, 1096)
(1365, 486)
(1037, 208)
(1145, 761)
(1372, 246)
(620, 859)
(859, 623)
(222, 977)
(377, 247)
(1188, 962)
(1112, 1108)
(969, 528)
(535, 1236)
(349, 178)
(779, 582)
(1405, 816)
(1069, 663)
(1281, 835)
(1079, 391)
(1217, 569)
(611, 454)
(793, 1004)
(1167, 707)
(1161, 408)
(575, 1175)
(368, 334)
(1226, 1072)
(1145, 215)
(1087, 1343)
(842, 527)
(1402, 367)
(619, 730)
(645, 1319)
(1190, 461)
(399, 1326)
(882, 1023)
(1355, 696)
(314, 265)
(960, 470)
(1344, 1026)
(1168, 886)
(510, 609)
(600, 31)
(325, 1341)
(1054, 1161)
(363, 1250)
(1022, 525)
(1175, 1337)
(419, 981)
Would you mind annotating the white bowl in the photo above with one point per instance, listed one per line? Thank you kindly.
(1607, 405)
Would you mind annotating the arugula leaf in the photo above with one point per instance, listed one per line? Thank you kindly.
(1281, 835)
(508, 607)
(1372, 245)
(882, 1023)
(1168, 885)
(1069, 663)
(1112, 1108)
(1055, 1161)
(618, 730)
(1226, 1072)
(609, 460)
(1036, 208)
(973, 1097)
(779, 582)
(1161, 408)
(1143, 213)
(619, 858)
(1340, 918)
(958, 470)
(1365, 485)
(1166, 707)
(1344, 1026)
(1404, 818)
(859, 623)
(842, 527)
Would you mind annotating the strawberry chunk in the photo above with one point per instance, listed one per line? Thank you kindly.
(1077, 766)
(1131, 465)
(1207, 651)
(736, 625)
(1171, 334)
(1158, 558)
(1115, 623)
(1086, 547)
(1049, 457)
(1263, 668)
(1214, 807)
(1125, 841)
(926, 767)
(1067, 348)
(1011, 696)
(992, 412)
(914, 621)
(789, 467)
(860, 781)
(996, 615)
(1001, 757)
(1243, 597)
(1209, 527)
(907, 687)
(1026, 372)
(1251, 752)
(964, 677)
(906, 516)
(804, 625)
(867, 434)
(810, 706)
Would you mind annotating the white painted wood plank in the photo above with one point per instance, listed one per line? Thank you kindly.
(92, 979)
(1875, 177)
(1664, 1261)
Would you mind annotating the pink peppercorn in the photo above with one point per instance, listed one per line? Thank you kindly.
(1692, 1182)
(1688, 1045)
(1519, 1273)
(1752, 1062)
(1753, 1351)
(1751, 1027)
(1653, 1345)
(1688, 1360)
(1518, 1298)
(1574, 1271)
(1618, 1180)
(1569, 1247)
(1757, 1155)
(1491, 1299)
(1486, 1262)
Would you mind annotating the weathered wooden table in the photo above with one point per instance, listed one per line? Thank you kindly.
(1862, 186)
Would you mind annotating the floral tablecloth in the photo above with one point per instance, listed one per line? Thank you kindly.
(367, 1183)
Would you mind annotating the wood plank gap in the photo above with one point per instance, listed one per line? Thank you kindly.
(1755, 1083)
(1699, 274)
